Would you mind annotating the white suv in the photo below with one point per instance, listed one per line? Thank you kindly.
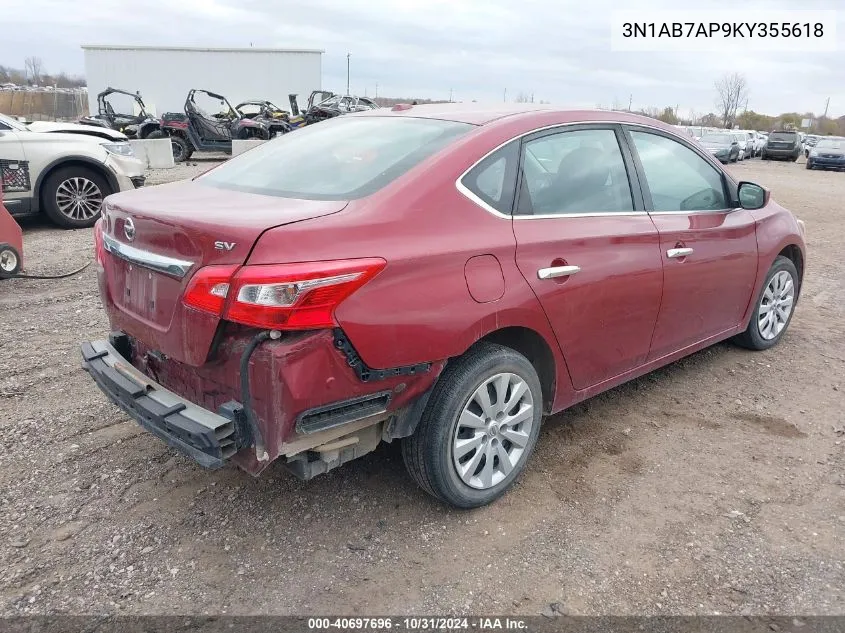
(65, 170)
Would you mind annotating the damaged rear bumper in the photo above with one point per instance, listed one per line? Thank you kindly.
(207, 437)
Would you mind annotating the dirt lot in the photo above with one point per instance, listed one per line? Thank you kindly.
(715, 485)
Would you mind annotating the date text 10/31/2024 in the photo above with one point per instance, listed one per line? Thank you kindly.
(416, 624)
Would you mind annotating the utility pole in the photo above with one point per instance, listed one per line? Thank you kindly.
(348, 55)
(376, 90)
(630, 101)
(505, 98)
(826, 106)
(450, 95)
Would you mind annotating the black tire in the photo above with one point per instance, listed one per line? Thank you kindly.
(809, 165)
(752, 338)
(50, 190)
(182, 148)
(428, 452)
(156, 134)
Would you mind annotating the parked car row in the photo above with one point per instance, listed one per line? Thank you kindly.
(440, 275)
(730, 146)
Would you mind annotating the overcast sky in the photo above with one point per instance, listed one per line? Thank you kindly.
(559, 50)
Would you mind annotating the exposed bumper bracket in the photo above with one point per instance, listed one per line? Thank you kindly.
(209, 438)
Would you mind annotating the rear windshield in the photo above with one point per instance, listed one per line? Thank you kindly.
(783, 136)
(340, 159)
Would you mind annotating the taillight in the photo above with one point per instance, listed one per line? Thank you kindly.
(209, 288)
(99, 249)
(280, 296)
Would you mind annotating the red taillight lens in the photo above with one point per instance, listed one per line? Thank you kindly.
(299, 296)
(99, 249)
(209, 288)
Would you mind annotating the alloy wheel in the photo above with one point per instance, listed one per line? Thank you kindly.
(493, 431)
(79, 198)
(776, 305)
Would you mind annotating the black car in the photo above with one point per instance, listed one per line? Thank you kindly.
(784, 145)
(723, 145)
(828, 153)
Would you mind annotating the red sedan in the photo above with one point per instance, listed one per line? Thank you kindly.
(441, 275)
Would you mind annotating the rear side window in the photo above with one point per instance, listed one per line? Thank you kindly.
(678, 178)
(340, 159)
(493, 180)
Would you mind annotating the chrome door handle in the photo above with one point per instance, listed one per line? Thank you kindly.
(557, 271)
(678, 252)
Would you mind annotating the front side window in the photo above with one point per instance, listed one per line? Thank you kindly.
(677, 177)
(340, 159)
(573, 172)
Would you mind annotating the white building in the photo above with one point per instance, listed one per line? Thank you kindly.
(163, 75)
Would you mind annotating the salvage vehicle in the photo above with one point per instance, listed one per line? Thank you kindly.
(783, 145)
(309, 115)
(272, 116)
(827, 153)
(337, 105)
(65, 174)
(197, 130)
(419, 274)
(11, 237)
(135, 126)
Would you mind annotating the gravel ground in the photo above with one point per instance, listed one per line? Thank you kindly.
(714, 485)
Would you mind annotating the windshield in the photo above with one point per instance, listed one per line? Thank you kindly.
(722, 139)
(831, 143)
(340, 159)
(9, 122)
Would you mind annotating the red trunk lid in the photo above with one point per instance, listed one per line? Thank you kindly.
(158, 237)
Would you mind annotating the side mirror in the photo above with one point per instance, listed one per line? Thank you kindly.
(752, 196)
(735, 143)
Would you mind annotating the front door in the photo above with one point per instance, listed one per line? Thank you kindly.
(588, 249)
(708, 247)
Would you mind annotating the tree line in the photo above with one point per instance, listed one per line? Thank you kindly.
(33, 74)
(731, 110)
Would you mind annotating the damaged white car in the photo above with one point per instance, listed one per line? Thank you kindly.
(64, 170)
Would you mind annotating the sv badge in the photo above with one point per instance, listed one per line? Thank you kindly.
(224, 246)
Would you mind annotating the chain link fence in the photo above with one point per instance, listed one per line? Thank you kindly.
(44, 105)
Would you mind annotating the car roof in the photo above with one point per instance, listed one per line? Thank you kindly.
(481, 114)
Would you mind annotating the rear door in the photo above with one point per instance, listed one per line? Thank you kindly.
(588, 249)
(708, 246)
